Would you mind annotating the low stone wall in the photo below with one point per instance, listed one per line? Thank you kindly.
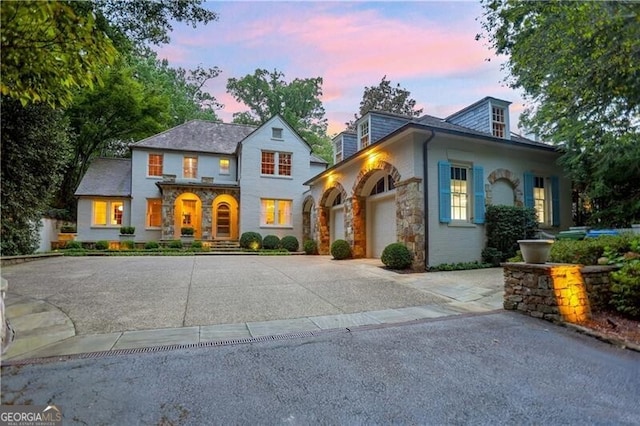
(556, 292)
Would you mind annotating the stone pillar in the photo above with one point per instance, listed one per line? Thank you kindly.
(410, 225)
(323, 230)
(206, 225)
(357, 225)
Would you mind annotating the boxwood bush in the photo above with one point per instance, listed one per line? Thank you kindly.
(127, 244)
(151, 245)
(310, 247)
(340, 249)
(175, 244)
(289, 243)
(251, 240)
(102, 245)
(128, 230)
(73, 245)
(270, 242)
(396, 256)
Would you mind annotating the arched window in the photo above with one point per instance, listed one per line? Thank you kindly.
(383, 184)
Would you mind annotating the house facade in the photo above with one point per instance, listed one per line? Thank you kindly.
(426, 182)
(219, 179)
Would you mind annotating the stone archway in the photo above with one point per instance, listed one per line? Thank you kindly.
(308, 218)
(323, 213)
(504, 175)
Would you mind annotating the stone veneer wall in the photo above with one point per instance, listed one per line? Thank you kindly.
(410, 219)
(556, 292)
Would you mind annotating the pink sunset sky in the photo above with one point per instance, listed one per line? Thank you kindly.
(427, 47)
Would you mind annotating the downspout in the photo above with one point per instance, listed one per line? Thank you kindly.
(425, 191)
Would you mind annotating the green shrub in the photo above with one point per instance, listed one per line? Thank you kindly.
(196, 245)
(175, 244)
(68, 229)
(625, 289)
(270, 242)
(340, 249)
(151, 245)
(492, 255)
(310, 247)
(396, 256)
(187, 230)
(127, 244)
(289, 243)
(73, 245)
(460, 266)
(127, 230)
(251, 240)
(505, 225)
(102, 245)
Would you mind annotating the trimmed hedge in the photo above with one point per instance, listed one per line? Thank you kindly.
(175, 244)
(73, 245)
(310, 247)
(340, 250)
(128, 230)
(396, 256)
(505, 225)
(102, 245)
(150, 245)
(251, 240)
(289, 243)
(270, 242)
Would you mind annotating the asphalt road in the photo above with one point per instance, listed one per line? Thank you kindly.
(500, 368)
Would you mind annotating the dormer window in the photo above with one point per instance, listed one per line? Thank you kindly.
(498, 123)
(363, 133)
(338, 151)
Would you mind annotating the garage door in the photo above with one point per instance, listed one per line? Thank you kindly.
(381, 223)
(337, 223)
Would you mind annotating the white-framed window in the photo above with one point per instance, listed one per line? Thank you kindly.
(224, 166)
(154, 212)
(274, 212)
(107, 213)
(363, 133)
(459, 193)
(276, 133)
(540, 198)
(190, 167)
(269, 159)
(383, 184)
(461, 197)
(498, 123)
(154, 167)
(338, 151)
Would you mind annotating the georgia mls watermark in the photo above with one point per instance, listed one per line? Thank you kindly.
(30, 415)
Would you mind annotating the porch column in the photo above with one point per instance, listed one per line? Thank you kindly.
(323, 229)
(410, 224)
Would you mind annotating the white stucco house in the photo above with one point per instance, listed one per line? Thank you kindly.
(220, 179)
(426, 182)
(422, 181)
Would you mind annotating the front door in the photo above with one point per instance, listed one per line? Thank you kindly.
(223, 221)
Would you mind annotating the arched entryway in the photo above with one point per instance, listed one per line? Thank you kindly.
(225, 218)
(308, 219)
(331, 217)
(188, 213)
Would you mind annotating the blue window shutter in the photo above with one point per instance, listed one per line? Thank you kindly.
(444, 186)
(478, 194)
(555, 200)
(528, 189)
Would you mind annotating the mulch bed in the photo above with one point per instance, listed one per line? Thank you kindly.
(614, 325)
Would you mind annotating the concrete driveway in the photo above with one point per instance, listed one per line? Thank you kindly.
(108, 294)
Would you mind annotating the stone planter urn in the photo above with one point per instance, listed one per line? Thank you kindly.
(535, 251)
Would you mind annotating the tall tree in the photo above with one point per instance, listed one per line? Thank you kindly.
(579, 66)
(35, 147)
(388, 98)
(267, 94)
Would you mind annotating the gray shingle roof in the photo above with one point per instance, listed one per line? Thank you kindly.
(315, 159)
(107, 177)
(199, 136)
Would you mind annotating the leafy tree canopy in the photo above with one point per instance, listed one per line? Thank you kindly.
(388, 98)
(579, 66)
(267, 94)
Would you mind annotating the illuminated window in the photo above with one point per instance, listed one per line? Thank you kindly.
(190, 167)
(497, 122)
(539, 198)
(284, 164)
(155, 165)
(107, 213)
(224, 166)
(275, 212)
(269, 161)
(154, 213)
(363, 131)
(276, 133)
(188, 212)
(459, 193)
